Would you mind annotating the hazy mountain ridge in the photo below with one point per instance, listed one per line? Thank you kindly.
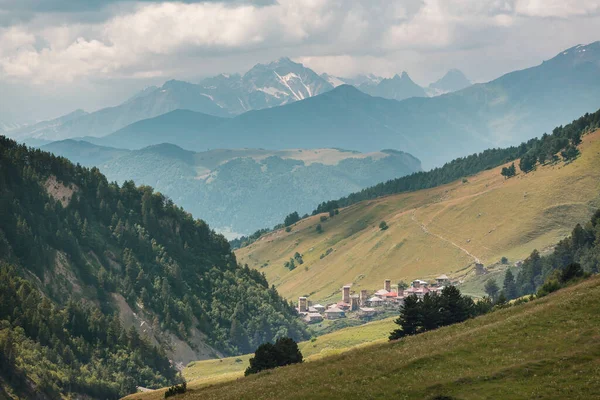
(453, 81)
(263, 86)
(505, 111)
(242, 190)
(399, 87)
(269, 85)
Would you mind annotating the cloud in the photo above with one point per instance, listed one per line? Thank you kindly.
(67, 40)
(557, 8)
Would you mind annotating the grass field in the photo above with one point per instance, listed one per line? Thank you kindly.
(434, 231)
(202, 373)
(545, 349)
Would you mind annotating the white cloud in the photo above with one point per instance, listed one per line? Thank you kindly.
(557, 8)
(160, 39)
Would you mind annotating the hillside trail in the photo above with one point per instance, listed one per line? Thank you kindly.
(424, 228)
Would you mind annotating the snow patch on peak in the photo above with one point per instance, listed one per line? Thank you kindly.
(271, 91)
(290, 76)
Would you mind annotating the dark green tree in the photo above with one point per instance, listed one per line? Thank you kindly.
(527, 163)
(509, 172)
(569, 153)
(572, 271)
(491, 288)
(291, 219)
(268, 356)
(430, 308)
(409, 319)
(454, 307)
(509, 287)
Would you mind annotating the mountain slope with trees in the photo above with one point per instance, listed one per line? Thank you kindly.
(108, 282)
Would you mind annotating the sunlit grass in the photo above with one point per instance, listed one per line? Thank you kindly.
(545, 349)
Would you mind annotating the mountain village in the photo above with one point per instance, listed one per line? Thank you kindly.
(366, 305)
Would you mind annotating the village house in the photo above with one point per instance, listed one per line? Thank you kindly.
(313, 318)
(334, 313)
(320, 308)
(389, 297)
(442, 280)
(367, 312)
(375, 301)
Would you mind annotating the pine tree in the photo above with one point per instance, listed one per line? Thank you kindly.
(453, 306)
(509, 287)
(409, 319)
(491, 288)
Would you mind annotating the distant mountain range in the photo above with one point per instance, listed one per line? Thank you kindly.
(225, 95)
(505, 111)
(242, 190)
(399, 87)
(453, 81)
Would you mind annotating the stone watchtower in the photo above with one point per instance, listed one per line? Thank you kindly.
(302, 304)
(346, 294)
(363, 297)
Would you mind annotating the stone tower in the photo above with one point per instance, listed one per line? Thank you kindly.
(346, 294)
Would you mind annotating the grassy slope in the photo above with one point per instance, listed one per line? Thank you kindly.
(440, 230)
(549, 348)
(202, 373)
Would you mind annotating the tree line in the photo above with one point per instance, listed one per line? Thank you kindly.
(437, 310)
(575, 255)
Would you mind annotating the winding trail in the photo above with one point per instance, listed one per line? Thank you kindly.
(424, 228)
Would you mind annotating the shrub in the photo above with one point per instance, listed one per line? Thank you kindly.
(572, 271)
(319, 228)
(323, 218)
(177, 389)
(268, 356)
(383, 226)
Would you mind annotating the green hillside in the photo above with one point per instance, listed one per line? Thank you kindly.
(546, 349)
(102, 284)
(201, 373)
(445, 229)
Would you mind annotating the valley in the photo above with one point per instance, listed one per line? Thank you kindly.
(258, 199)
(238, 191)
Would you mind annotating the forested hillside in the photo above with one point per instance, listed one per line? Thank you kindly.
(78, 254)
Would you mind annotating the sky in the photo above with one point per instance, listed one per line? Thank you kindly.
(60, 55)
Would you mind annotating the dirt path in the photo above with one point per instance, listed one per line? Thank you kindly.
(424, 228)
